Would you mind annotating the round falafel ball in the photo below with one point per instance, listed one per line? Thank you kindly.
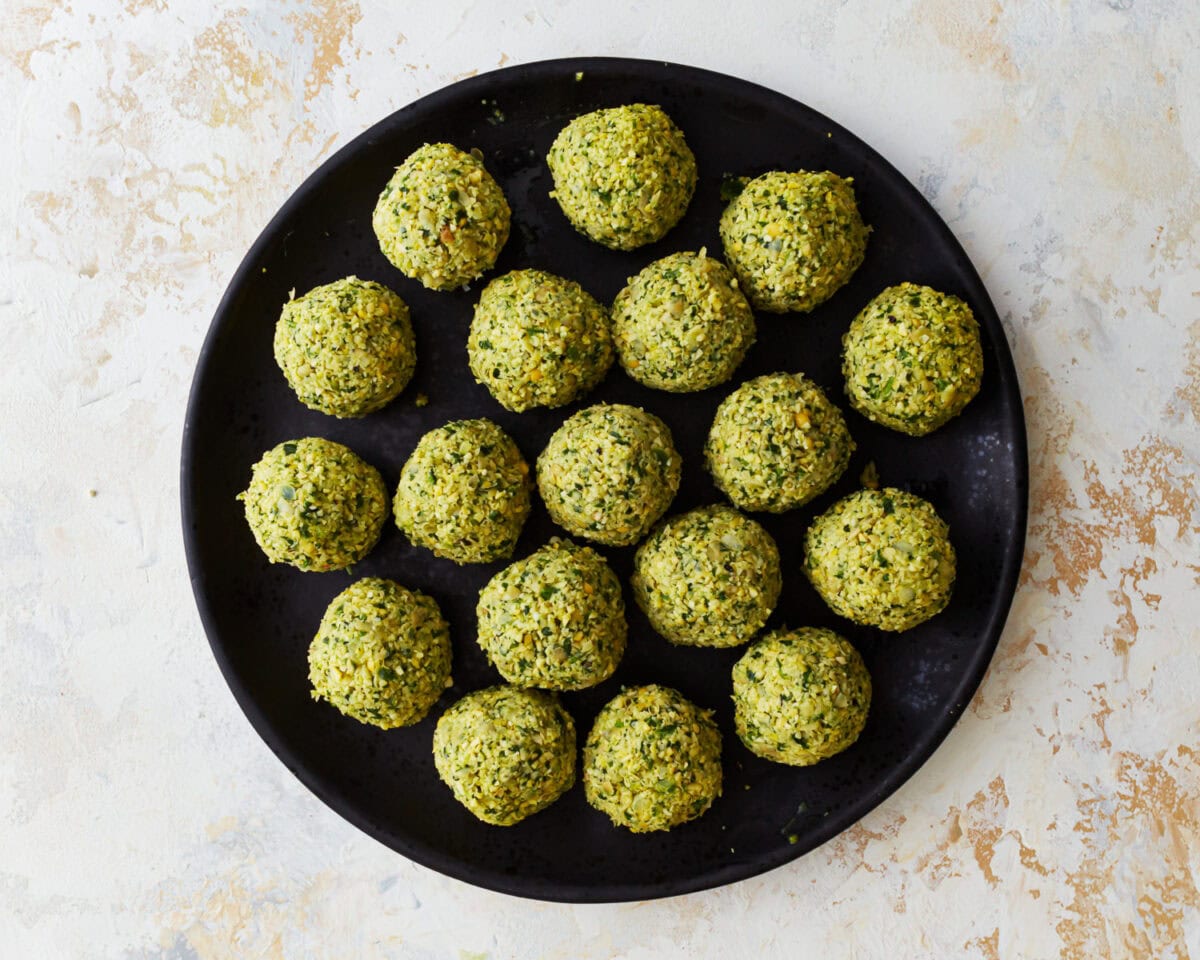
(912, 359)
(800, 696)
(652, 759)
(682, 324)
(381, 654)
(315, 504)
(346, 348)
(464, 492)
(776, 442)
(881, 558)
(793, 239)
(608, 473)
(623, 176)
(442, 219)
(538, 340)
(708, 578)
(505, 753)
(555, 619)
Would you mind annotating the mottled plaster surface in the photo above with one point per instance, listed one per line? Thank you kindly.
(145, 145)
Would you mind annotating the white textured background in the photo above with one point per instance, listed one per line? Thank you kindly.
(145, 144)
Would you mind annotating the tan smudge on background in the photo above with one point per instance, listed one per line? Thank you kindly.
(1100, 145)
(1103, 712)
(230, 920)
(1122, 634)
(125, 101)
(21, 36)
(937, 864)
(989, 946)
(1172, 244)
(849, 848)
(75, 118)
(221, 827)
(1001, 128)
(1072, 548)
(985, 813)
(134, 7)
(305, 132)
(1188, 392)
(47, 207)
(225, 79)
(981, 823)
(1153, 807)
(228, 79)
(1014, 655)
(958, 26)
(329, 24)
(244, 913)
(1156, 482)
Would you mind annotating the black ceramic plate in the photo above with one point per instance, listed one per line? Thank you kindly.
(260, 618)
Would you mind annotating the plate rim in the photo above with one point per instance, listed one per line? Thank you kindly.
(554, 891)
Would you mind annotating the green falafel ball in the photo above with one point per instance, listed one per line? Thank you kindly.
(555, 619)
(464, 492)
(538, 340)
(315, 504)
(682, 324)
(346, 348)
(505, 753)
(708, 578)
(652, 759)
(912, 359)
(442, 219)
(623, 176)
(793, 239)
(881, 558)
(381, 654)
(800, 696)
(776, 442)
(608, 473)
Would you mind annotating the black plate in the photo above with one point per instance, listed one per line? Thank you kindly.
(259, 618)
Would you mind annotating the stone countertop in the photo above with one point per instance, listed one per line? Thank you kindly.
(147, 144)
